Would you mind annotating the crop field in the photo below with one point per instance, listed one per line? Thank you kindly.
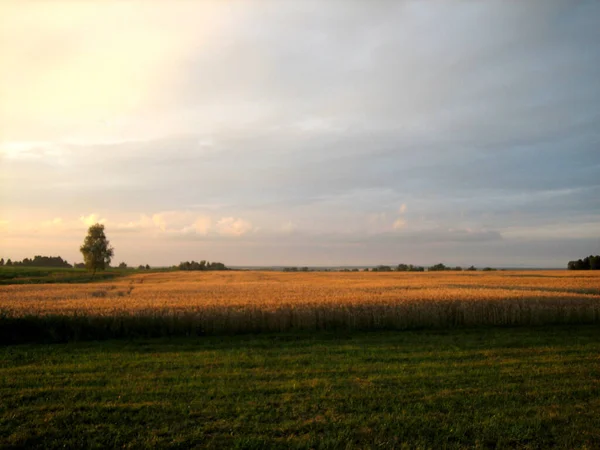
(303, 360)
(233, 302)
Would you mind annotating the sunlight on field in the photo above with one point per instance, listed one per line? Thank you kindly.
(214, 302)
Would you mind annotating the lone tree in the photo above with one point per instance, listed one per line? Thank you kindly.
(96, 249)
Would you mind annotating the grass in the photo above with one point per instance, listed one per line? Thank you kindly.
(43, 275)
(533, 387)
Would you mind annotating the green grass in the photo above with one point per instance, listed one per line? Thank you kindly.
(473, 388)
(36, 275)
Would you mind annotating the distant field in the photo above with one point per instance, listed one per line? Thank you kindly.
(39, 275)
(205, 303)
(527, 388)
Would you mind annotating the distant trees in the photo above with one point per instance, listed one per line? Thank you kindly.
(202, 265)
(96, 249)
(588, 263)
(123, 265)
(382, 268)
(441, 267)
(409, 268)
(38, 261)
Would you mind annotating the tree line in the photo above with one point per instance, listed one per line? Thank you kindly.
(202, 265)
(435, 268)
(399, 268)
(588, 263)
(38, 261)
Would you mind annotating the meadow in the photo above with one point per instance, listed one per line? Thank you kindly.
(527, 388)
(234, 302)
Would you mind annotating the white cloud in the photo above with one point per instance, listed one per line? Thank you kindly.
(402, 208)
(229, 226)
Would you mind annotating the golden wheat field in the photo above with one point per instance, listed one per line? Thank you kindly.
(240, 301)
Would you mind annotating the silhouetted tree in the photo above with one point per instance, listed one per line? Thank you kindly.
(588, 263)
(96, 249)
(9, 262)
(123, 265)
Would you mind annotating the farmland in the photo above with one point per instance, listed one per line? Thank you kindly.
(303, 360)
(471, 388)
(198, 303)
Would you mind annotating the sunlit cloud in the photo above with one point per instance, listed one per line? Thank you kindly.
(92, 219)
(230, 226)
(399, 224)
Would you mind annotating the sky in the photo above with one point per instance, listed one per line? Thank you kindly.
(302, 132)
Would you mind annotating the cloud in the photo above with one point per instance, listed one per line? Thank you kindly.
(288, 227)
(481, 116)
(229, 226)
(169, 222)
(399, 224)
(92, 219)
(201, 225)
(56, 222)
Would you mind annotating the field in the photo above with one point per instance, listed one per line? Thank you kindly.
(472, 388)
(42, 275)
(209, 303)
(303, 360)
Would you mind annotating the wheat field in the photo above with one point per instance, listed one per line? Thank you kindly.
(200, 303)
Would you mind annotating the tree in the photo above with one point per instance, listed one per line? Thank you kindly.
(2, 262)
(123, 265)
(8, 262)
(588, 263)
(96, 249)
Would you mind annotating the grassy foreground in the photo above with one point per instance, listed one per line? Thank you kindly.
(475, 388)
